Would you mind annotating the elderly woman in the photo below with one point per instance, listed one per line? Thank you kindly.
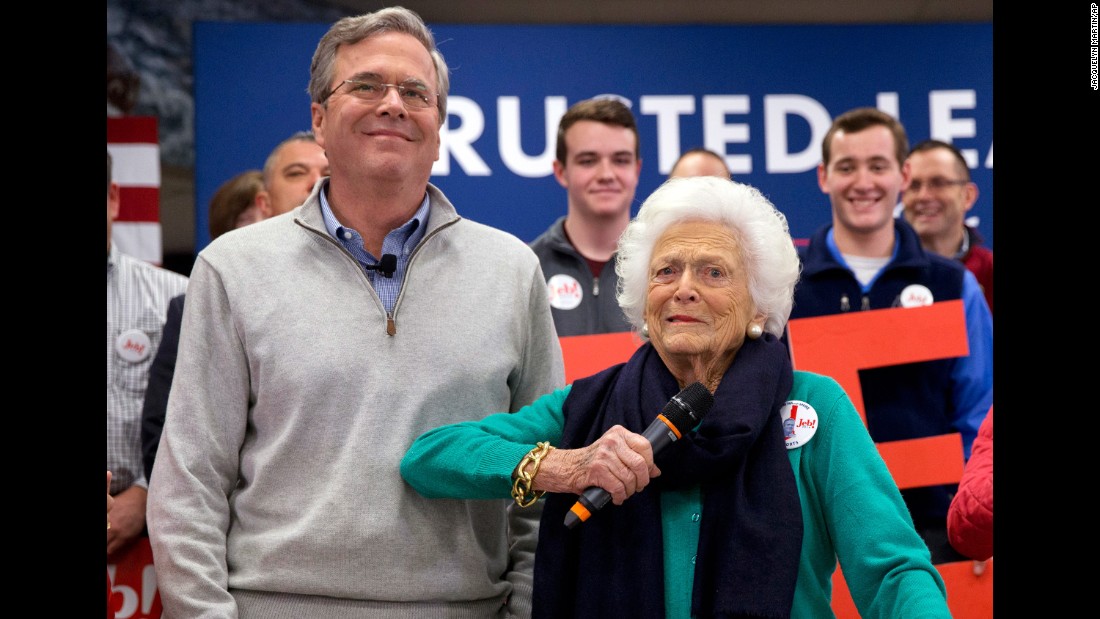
(733, 519)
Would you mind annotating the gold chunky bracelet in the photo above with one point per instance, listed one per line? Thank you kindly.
(522, 488)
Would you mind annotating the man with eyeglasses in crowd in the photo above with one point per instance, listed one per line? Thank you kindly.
(866, 259)
(939, 195)
(317, 345)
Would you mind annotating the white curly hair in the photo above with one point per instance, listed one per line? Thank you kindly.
(761, 230)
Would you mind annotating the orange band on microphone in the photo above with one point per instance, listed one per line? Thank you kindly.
(580, 511)
(671, 426)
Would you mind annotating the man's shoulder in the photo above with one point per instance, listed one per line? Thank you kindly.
(274, 235)
(937, 262)
(477, 230)
(542, 240)
(982, 251)
(553, 232)
(493, 244)
(912, 254)
(552, 239)
(815, 250)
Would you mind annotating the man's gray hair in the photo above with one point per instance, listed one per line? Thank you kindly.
(351, 30)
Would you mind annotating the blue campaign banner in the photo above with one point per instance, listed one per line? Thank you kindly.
(761, 95)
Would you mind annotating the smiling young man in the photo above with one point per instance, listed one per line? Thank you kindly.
(867, 260)
(309, 363)
(598, 164)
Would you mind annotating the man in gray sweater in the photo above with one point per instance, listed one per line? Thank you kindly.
(316, 345)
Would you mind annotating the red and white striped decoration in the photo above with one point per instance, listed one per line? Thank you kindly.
(135, 152)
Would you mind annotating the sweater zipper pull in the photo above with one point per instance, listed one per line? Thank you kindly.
(391, 325)
(596, 287)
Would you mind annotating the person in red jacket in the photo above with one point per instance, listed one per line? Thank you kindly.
(970, 517)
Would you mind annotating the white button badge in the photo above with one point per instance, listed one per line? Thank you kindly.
(565, 291)
(916, 295)
(799, 423)
(133, 346)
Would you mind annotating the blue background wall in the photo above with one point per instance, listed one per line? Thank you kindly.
(250, 93)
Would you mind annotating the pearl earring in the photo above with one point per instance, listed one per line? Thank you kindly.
(645, 331)
(755, 331)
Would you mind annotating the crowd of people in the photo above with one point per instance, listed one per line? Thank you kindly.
(307, 434)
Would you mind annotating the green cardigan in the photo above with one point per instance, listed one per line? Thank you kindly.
(851, 507)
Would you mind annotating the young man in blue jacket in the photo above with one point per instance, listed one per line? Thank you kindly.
(866, 259)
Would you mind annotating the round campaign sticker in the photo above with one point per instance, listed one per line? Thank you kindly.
(916, 295)
(799, 423)
(565, 292)
(133, 345)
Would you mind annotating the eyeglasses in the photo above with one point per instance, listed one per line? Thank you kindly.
(936, 184)
(414, 94)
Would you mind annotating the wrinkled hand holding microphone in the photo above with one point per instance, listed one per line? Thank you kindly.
(682, 413)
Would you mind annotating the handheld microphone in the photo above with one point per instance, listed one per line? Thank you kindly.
(682, 413)
(386, 266)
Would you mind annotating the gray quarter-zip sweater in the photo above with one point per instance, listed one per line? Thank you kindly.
(277, 489)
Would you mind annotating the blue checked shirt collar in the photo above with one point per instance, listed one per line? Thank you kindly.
(399, 242)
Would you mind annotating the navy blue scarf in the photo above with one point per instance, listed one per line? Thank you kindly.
(751, 531)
